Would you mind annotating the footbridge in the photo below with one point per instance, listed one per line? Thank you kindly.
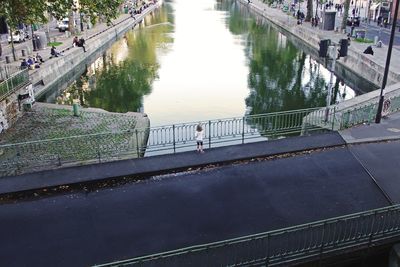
(280, 202)
(276, 202)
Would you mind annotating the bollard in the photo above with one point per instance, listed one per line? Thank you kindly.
(8, 59)
(75, 108)
(23, 52)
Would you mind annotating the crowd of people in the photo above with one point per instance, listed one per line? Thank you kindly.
(33, 62)
(135, 11)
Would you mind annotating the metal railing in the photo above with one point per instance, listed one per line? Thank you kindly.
(14, 82)
(38, 155)
(100, 147)
(289, 245)
(367, 113)
(180, 137)
(7, 70)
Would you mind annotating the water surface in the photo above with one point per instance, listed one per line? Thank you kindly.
(196, 60)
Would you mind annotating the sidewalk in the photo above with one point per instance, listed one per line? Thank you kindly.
(388, 129)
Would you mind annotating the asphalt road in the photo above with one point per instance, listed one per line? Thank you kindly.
(180, 210)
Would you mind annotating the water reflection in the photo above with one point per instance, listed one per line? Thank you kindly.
(119, 79)
(215, 61)
(281, 77)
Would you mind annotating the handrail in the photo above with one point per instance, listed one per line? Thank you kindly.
(368, 220)
(135, 142)
(106, 146)
(13, 82)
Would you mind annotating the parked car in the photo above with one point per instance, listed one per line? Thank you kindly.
(18, 37)
(353, 20)
(63, 25)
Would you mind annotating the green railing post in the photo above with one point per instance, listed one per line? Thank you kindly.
(173, 137)
(333, 118)
(244, 118)
(321, 251)
(137, 143)
(372, 229)
(267, 256)
(209, 134)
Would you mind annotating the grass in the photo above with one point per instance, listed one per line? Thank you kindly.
(364, 40)
(54, 43)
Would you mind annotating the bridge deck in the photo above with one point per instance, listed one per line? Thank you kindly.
(174, 211)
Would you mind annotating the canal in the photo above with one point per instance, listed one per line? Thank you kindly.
(196, 60)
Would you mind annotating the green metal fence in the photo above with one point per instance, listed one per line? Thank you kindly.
(89, 148)
(14, 82)
(130, 143)
(289, 245)
(180, 137)
(367, 113)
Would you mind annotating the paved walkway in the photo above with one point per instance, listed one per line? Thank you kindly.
(388, 129)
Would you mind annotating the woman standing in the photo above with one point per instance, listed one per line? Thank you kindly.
(199, 135)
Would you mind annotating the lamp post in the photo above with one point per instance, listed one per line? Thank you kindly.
(389, 54)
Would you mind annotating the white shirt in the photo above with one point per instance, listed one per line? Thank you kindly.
(199, 135)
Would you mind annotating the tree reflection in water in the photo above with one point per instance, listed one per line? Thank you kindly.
(118, 80)
(281, 77)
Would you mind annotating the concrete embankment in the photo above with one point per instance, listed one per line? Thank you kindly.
(368, 67)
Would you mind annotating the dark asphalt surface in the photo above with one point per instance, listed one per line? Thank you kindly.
(382, 160)
(157, 164)
(171, 212)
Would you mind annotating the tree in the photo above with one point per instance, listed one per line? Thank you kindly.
(309, 10)
(345, 14)
(28, 12)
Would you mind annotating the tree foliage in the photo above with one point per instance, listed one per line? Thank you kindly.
(35, 11)
(345, 14)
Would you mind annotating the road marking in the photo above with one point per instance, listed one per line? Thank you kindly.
(395, 130)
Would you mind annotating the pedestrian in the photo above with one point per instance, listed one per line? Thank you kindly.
(75, 41)
(81, 43)
(369, 51)
(39, 58)
(54, 52)
(24, 64)
(199, 135)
